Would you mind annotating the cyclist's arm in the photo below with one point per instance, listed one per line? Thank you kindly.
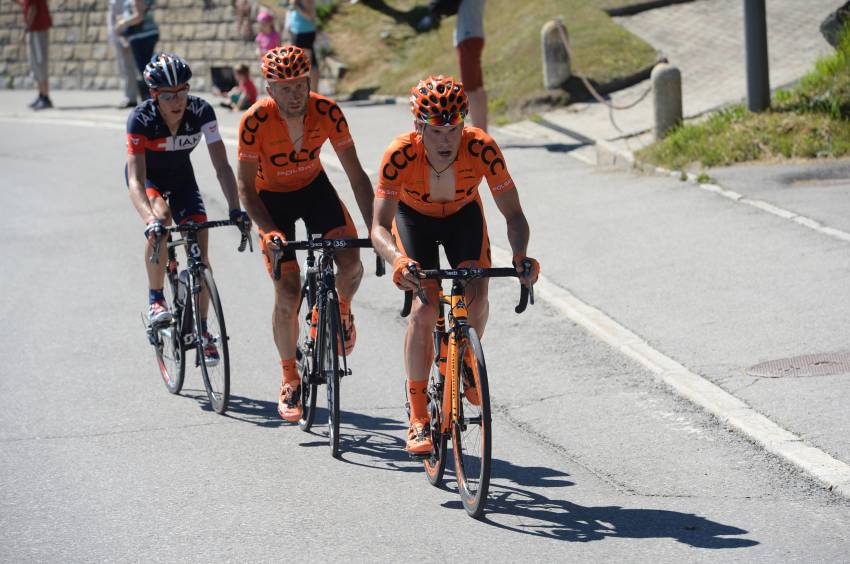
(136, 16)
(136, 180)
(360, 183)
(246, 174)
(381, 233)
(518, 231)
(224, 173)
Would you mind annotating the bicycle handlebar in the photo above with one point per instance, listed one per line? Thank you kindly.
(321, 245)
(244, 228)
(526, 292)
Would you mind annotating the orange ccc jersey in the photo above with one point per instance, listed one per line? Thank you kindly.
(264, 138)
(404, 172)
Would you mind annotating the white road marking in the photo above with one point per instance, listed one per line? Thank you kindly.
(729, 409)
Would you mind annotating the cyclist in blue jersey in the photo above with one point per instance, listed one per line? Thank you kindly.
(161, 132)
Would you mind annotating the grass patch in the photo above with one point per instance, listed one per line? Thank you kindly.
(378, 41)
(812, 120)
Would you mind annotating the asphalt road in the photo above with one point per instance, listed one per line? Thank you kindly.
(593, 458)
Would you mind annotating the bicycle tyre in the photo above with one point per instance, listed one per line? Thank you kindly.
(472, 434)
(329, 366)
(170, 350)
(435, 463)
(216, 377)
(305, 364)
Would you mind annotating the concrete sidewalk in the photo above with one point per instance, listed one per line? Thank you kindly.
(705, 40)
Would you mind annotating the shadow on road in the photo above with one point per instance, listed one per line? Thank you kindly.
(248, 410)
(557, 519)
(551, 147)
(378, 442)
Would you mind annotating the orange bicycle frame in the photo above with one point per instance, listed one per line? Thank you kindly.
(457, 317)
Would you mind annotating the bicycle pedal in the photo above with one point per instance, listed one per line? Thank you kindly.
(420, 457)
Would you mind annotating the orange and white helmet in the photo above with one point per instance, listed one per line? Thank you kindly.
(439, 100)
(286, 62)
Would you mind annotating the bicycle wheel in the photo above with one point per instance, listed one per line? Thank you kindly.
(216, 373)
(170, 351)
(435, 463)
(471, 434)
(304, 360)
(329, 366)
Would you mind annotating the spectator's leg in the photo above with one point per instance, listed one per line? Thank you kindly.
(142, 50)
(38, 58)
(469, 61)
(126, 70)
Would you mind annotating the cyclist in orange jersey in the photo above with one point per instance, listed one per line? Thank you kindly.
(281, 180)
(428, 195)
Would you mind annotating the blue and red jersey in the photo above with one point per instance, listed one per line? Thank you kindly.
(167, 155)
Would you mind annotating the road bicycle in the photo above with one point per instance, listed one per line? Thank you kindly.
(183, 292)
(458, 391)
(320, 341)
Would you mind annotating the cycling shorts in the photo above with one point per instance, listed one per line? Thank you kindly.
(462, 234)
(184, 199)
(318, 205)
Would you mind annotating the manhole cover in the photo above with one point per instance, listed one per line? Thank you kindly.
(825, 364)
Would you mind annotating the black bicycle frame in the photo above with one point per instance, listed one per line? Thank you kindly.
(194, 264)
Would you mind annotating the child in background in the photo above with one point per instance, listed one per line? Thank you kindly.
(244, 94)
(268, 37)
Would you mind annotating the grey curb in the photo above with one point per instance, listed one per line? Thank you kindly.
(610, 156)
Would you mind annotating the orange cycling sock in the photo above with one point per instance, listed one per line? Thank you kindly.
(290, 371)
(417, 394)
(344, 307)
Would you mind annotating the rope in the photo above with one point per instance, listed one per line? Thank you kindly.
(562, 31)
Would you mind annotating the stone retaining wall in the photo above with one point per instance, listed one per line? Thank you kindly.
(203, 32)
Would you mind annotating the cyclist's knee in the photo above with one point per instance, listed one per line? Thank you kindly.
(288, 290)
(349, 263)
(423, 318)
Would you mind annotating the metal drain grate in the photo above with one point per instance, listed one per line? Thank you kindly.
(825, 364)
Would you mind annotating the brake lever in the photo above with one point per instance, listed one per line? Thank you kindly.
(420, 293)
(380, 265)
(277, 257)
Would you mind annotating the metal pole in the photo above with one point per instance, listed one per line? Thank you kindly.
(758, 77)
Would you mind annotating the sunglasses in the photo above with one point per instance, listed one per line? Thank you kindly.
(169, 96)
(443, 119)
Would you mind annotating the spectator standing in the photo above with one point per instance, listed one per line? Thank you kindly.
(302, 27)
(242, 18)
(139, 29)
(267, 36)
(126, 65)
(469, 42)
(37, 22)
